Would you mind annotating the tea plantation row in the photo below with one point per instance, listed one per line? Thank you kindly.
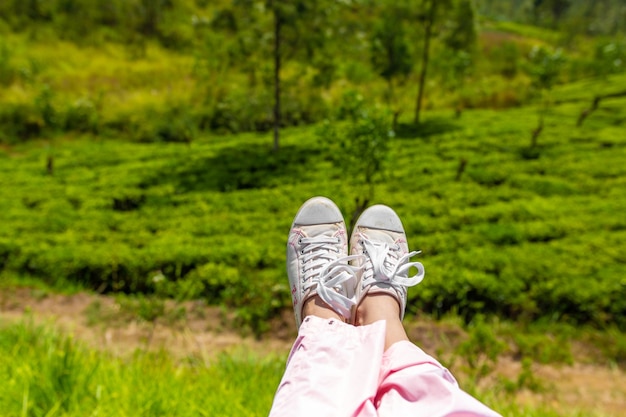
(525, 233)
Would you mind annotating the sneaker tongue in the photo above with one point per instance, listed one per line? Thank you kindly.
(385, 236)
(322, 229)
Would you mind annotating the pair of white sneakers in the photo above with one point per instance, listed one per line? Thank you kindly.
(318, 261)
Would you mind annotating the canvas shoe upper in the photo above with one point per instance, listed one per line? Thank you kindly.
(380, 239)
(317, 258)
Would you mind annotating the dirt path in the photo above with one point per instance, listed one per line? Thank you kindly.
(105, 323)
(196, 329)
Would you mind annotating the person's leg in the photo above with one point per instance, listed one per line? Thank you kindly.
(333, 370)
(379, 242)
(381, 306)
(411, 382)
(333, 367)
(317, 259)
(315, 306)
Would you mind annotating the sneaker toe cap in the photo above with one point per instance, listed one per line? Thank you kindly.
(318, 210)
(380, 217)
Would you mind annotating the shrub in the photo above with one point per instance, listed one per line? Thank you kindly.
(208, 281)
(610, 57)
(165, 123)
(82, 116)
(490, 177)
(7, 251)
(7, 72)
(19, 122)
(239, 111)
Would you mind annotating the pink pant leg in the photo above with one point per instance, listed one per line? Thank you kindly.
(333, 370)
(414, 384)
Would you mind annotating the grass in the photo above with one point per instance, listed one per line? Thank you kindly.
(47, 373)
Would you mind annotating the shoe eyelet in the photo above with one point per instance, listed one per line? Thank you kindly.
(300, 241)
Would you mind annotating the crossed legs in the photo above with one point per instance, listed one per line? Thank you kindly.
(373, 308)
(352, 356)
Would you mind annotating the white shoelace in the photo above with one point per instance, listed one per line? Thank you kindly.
(322, 266)
(388, 266)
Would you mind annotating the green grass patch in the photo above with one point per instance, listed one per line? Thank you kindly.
(47, 373)
(527, 31)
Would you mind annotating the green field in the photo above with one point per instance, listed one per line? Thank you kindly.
(524, 236)
(137, 161)
(48, 374)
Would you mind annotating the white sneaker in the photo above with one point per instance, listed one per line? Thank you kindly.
(379, 239)
(317, 258)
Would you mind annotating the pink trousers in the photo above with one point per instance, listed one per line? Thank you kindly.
(335, 369)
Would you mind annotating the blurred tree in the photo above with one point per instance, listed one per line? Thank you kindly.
(452, 20)
(301, 31)
(546, 64)
(390, 52)
(549, 12)
(281, 14)
(460, 38)
(22, 11)
(428, 18)
(284, 30)
(150, 13)
(460, 26)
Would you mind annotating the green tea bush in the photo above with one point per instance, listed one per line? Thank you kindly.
(488, 176)
(610, 57)
(46, 106)
(244, 111)
(502, 234)
(7, 250)
(173, 124)
(302, 105)
(19, 122)
(82, 116)
(239, 111)
(519, 239)
(8, 73)
(208, 281)
(544, 185)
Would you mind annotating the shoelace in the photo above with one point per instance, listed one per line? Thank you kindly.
(322, 266)
(388, 266)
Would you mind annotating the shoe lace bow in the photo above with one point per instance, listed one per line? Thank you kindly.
(322, 266)
(388, 266)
